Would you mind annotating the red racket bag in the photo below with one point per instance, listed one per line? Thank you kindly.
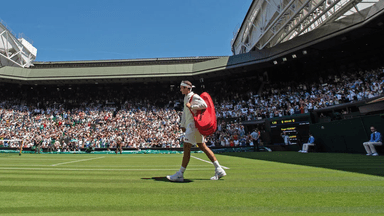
(205, 120)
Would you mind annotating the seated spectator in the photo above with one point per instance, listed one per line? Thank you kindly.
(311, 142)
(375, 140)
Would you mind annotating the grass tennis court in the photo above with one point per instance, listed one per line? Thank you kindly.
(263, 183)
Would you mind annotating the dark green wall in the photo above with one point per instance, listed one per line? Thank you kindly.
(345, 135)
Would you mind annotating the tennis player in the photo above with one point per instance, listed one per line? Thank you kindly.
(119, 144)
(192, 134)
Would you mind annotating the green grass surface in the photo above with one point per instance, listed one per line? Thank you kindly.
(258, 183)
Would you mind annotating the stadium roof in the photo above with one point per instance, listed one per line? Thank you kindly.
(110, 71)
(351, 30)
(269, 23)
(123, 62)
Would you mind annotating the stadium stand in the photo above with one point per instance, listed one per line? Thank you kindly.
(332, 72)
(281, 98)
(84, 116)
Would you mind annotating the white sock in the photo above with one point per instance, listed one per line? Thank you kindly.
(182, 169)
(216, 164)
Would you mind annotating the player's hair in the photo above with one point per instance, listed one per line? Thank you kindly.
(188, 84)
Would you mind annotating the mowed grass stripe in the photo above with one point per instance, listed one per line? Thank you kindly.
(253, 186)
(88, 160)
(103, 166)
(74, 169)
(75, 185)
(218, 203)
(192, 210)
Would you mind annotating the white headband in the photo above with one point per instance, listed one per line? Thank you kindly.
(186, 85)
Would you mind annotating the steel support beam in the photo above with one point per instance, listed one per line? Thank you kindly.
(270, 22)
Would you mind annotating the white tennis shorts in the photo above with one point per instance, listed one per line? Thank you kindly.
(192, 134)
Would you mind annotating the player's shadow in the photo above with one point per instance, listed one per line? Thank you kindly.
(164, 179)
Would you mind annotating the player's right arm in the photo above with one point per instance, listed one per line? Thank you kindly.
(183, 119)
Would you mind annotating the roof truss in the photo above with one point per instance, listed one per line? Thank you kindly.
(270, 22)
(13, 51)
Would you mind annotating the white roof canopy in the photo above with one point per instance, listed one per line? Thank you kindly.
(270, 22)
(13, 51)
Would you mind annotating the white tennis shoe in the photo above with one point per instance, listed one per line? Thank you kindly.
(177, 177)
(219, 172)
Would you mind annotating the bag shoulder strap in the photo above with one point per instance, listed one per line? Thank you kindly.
(190, 100)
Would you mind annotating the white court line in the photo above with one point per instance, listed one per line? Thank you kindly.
(68, 169)
(76, 161)
(207, 162)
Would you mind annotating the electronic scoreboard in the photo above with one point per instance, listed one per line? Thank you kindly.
(296, 128)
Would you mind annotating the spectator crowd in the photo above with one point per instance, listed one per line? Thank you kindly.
(78, 117)
(95, 127)
(288, 98)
